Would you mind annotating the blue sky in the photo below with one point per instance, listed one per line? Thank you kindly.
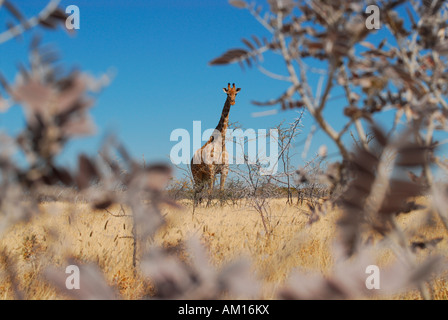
(159, 50)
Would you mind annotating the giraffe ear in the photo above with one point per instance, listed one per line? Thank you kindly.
(238, 90)
(225, 90)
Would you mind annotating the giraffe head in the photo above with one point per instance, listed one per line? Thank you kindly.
(231, 93)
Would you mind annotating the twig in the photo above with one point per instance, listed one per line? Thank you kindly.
(324, 125)
(30, 23)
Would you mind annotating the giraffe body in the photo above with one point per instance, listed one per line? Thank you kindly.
(212, 158)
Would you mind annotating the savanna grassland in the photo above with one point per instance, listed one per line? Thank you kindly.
(227, 232)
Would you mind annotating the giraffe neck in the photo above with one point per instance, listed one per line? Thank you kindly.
(224, 121)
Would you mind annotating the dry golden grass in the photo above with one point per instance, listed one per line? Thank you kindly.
(227, 232)
(232, 232)
(85, 234)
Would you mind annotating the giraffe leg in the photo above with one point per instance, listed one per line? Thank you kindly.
(223, 179)
(198, 186)
(222, 183)
(197, 194)
(210, 188)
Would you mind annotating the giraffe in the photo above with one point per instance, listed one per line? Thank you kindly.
(212, 158)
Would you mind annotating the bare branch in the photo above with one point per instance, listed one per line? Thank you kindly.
(30, 23)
